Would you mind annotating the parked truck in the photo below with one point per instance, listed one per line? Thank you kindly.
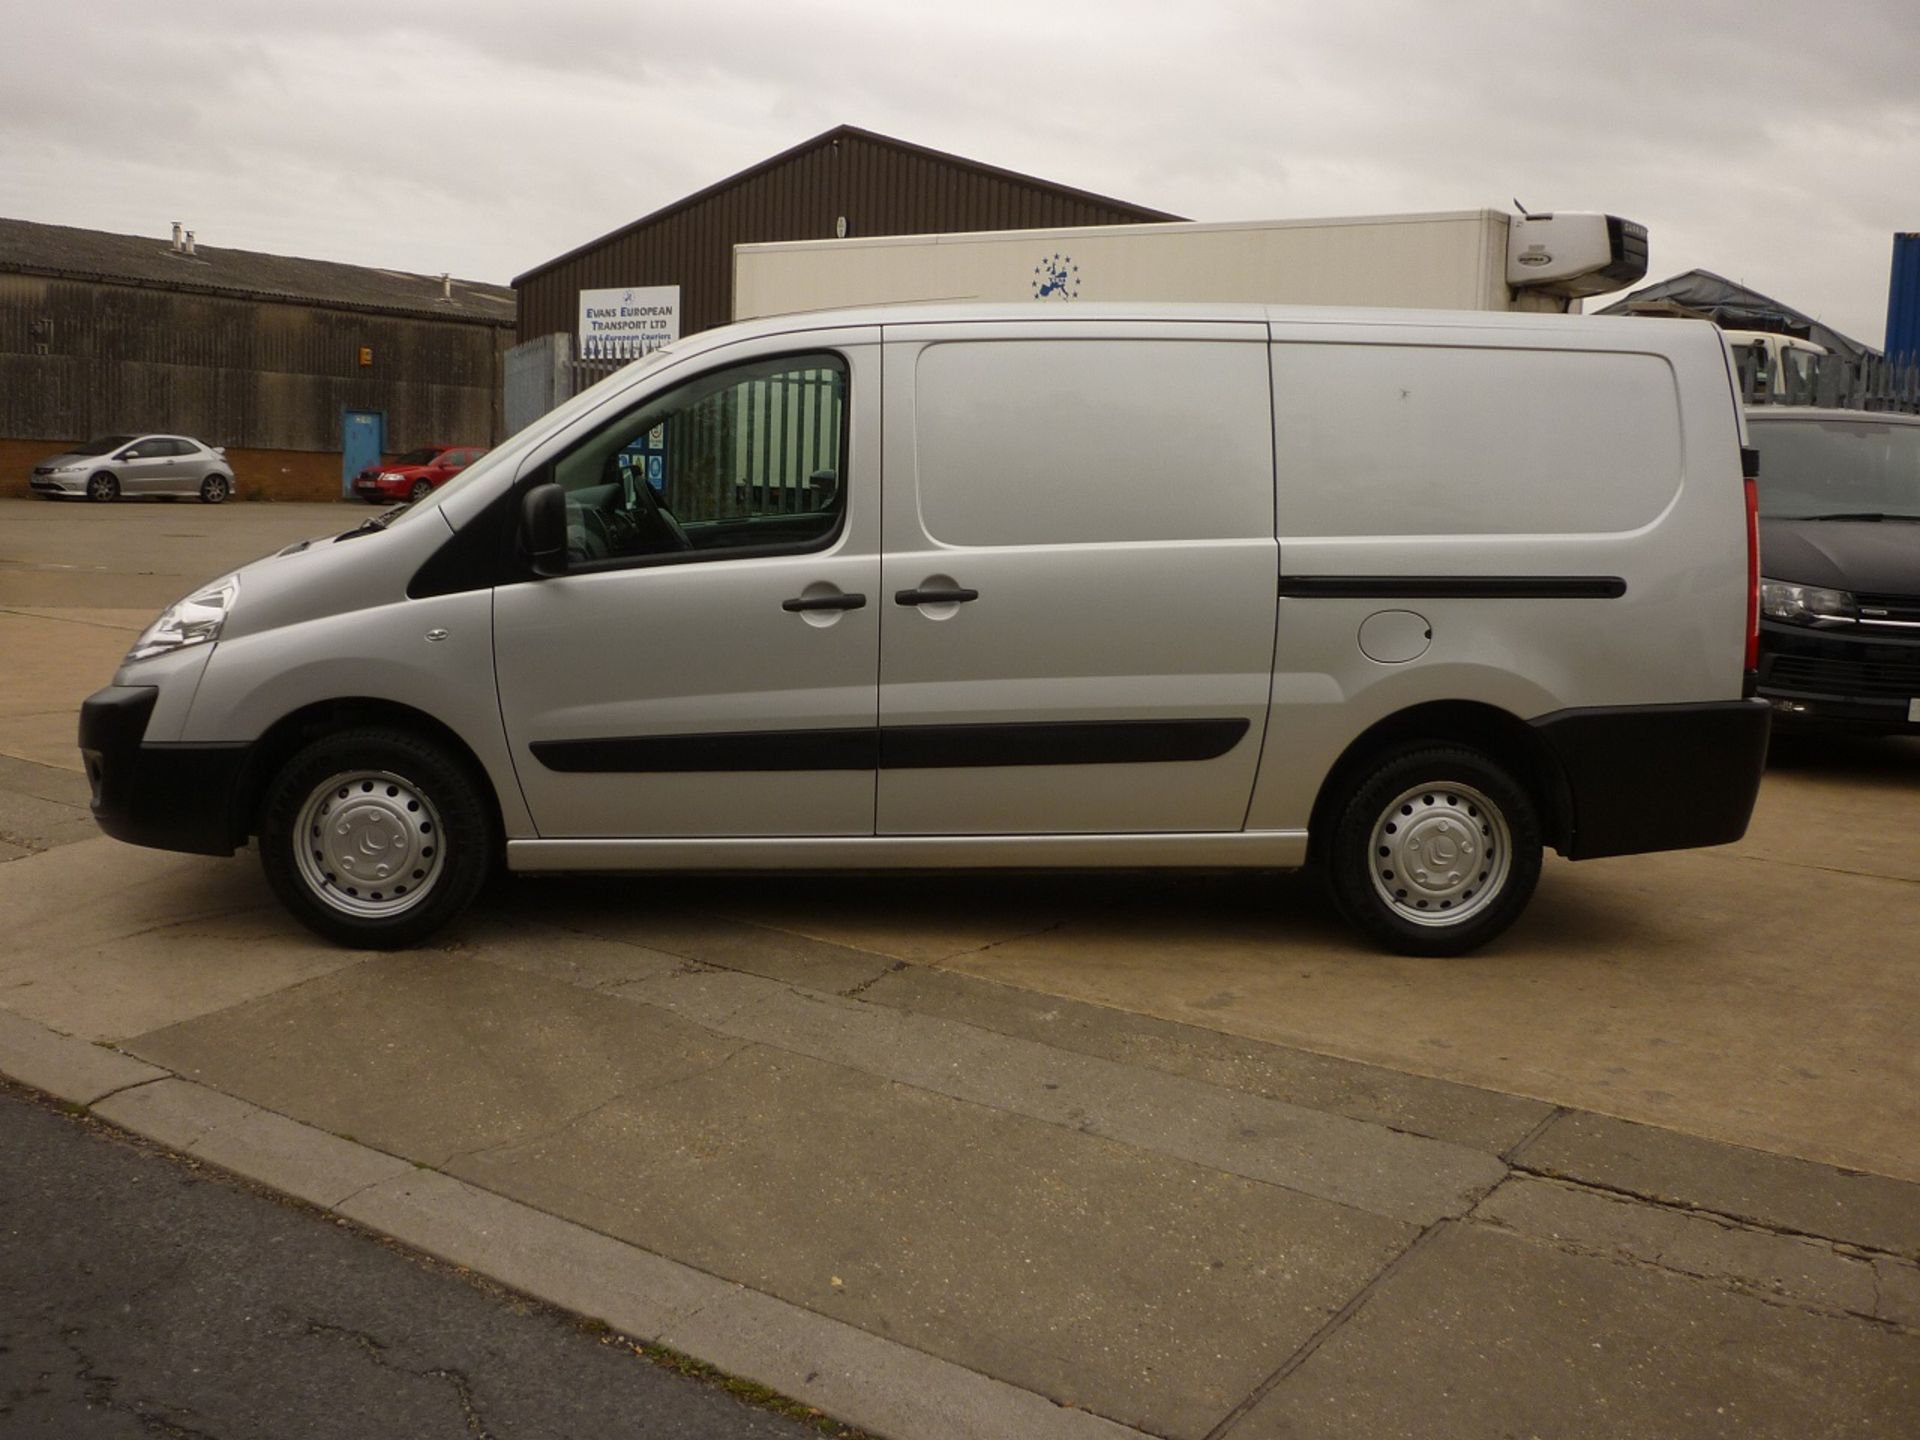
(1458, 260)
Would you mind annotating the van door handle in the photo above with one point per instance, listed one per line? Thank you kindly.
(824, 602)
(934, 597)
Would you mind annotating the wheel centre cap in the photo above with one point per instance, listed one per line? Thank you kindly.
(371, 841)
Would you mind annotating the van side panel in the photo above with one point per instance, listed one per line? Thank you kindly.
(1562, 509)
(1106, 495)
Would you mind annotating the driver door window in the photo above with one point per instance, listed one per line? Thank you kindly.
(745, 460)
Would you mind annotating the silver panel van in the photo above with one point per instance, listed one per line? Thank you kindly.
(1405, 596)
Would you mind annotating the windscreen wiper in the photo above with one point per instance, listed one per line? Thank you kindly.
(368, 527)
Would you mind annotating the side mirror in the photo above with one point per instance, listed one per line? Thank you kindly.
(543, 528)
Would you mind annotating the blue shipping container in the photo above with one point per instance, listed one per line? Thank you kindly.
(1903, 301)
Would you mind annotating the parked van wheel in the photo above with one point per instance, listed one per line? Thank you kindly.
(213, 489)
(375, 838)
(1435, 850)
(103, 487)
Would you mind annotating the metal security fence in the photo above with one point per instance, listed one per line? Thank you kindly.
(1836, 382)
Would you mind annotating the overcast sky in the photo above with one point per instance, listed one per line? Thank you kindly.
(1776, 144)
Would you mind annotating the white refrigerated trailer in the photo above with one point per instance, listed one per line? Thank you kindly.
(1458, 260)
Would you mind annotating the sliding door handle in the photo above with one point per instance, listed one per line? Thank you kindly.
(934, 597)
(824, 602)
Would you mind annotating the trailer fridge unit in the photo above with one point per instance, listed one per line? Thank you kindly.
(1460, 260)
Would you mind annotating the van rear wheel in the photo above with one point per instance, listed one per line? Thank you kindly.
(375, 838)
(1435, 849)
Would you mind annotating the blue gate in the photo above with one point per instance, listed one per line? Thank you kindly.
(362, 441)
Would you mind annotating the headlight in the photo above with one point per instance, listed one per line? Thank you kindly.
(391, 475)
(195, 620)
(1806, 604)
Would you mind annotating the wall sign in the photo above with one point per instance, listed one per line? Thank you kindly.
(629, 322)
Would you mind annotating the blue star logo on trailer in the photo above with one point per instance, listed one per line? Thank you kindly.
(1056, 277)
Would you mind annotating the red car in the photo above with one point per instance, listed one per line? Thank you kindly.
(414, 475)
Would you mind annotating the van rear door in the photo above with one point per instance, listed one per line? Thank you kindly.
(1078, 577)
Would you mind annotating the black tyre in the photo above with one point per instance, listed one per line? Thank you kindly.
(214, 489)
(104, 487)
(1435, 849)
(375, 838)
(421, 489)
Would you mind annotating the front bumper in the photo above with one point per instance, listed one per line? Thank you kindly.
(57, 484)
(1656, 777)
(376, 491)
(170, 797)
(1840, 679)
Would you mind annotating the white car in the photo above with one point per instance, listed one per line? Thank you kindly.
(134, 465)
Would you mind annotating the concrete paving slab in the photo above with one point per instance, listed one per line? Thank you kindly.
(1773, 1191)
(1899, 1297)
(1482, 1333)
(1150, 1291)
(920, 918)
(52, 783)
(497, 933)
(101, 890)
(637, 912)
(179, 936)
(1384, 1172)
(1466, 1115)
(860, 1378)
(428, 1056)
(1815, 1273)
(1815, 794)
(51, 666)
(32, 824)
(295, 1159)
(1687, 990)
(63, 1066)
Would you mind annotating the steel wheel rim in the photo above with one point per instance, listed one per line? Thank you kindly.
(368, 843)
(1440, 854)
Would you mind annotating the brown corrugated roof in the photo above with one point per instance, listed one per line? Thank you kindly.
(1137, 212)
(69, 253)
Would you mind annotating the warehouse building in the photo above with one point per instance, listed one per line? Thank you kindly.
(671, 273)
(303, 369)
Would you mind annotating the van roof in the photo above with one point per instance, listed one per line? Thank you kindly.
(1029, 312)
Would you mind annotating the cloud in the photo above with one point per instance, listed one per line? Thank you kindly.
(1761, 141)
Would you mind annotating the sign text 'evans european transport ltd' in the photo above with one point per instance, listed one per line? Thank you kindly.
(629, 322)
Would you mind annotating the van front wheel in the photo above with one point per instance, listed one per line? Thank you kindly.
(1435, 850)
(375, 838)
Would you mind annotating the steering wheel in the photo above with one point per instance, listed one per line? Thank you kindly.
(675, 531)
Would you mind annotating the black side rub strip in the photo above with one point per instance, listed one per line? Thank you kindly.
(1454, 587)
(899, 747)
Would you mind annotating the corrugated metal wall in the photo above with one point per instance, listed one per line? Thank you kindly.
(79, 358)
(881, 188)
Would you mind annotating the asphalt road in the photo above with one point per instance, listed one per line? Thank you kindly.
(142, 1297)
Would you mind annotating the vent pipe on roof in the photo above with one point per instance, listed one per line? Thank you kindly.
(176, 235)
(446, 287)
(189, 245)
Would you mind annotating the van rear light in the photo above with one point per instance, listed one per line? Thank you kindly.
(1753, 573)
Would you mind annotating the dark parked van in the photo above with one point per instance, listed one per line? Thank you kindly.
(1840, 555)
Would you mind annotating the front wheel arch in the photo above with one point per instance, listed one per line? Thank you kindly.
(292, 732)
